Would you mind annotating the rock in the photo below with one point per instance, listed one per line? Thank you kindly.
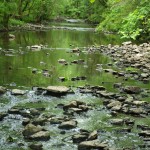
(2, 90)
(14, 111)
(93, 136)
(62, 61)
(11, 36)
(145, 133)
(18, 92)
(132, 89)
(40, 136)
(106, 94)
(36, 146)
(136, 111)
(31, 129)
(39, 121)
(2, 115)
(94, 144)
(57, 90)
(114, 104)
(138, 103)
(62, 79)
(25, 121)
(79, 138)
(34, 70)
(117, 121)
(68, 125)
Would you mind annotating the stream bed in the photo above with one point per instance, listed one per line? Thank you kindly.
(66, 57)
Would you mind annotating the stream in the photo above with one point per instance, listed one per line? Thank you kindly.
(25, 68)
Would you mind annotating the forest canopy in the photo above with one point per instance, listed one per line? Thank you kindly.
(130, 18)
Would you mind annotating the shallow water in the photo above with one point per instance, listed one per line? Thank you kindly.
(17, 63)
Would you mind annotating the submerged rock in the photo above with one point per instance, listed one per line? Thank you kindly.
(94, 144)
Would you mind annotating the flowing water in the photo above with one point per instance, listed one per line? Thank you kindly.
(17, 63)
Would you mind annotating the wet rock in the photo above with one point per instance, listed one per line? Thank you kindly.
(94, 144)
(40, 136)
(93, 136)
(132, 89)
(14, 111)
(2, 90)
(36, 146)
(62, 61)
(34, 70)
(136, 111)
(79, 138)
(18, 92)
(115, 105)
(39, 121)
(68, 125)
(30, 129)
(57, 90)
(25, 121)
(2, 115)
(117, 121)
(106, 94)
(62, 79)
(144, 133)
(56, 120)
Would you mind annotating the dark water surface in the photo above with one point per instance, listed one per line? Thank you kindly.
(17, 63)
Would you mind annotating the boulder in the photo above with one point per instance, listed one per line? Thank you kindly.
(40, 136)
(94, 144)
(93, 135)
(68, 125)
(57, 90)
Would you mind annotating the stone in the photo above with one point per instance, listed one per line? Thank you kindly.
(117, 121)
(93, 135)
(2, 90)
(68, 125)
(114, 103)
(106, 94)
(25, 121)
(79, 138)
(39, 121)
(36, 146)
(57, 90)
(62, 61)
(2, 115)
(136, 111)
(145, 133)
(18, 92)
(31, 129)
(132, 89)
(94, 144)
(40, 136)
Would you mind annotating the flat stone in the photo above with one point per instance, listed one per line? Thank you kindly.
(68, 125)
(36, 146)
(117, 121)
(57, 90)
(136, 111)
(94, 144)
(40, 136)
(106, 94)
(18, 92)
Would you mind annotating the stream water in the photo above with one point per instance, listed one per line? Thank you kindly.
(17, 63)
